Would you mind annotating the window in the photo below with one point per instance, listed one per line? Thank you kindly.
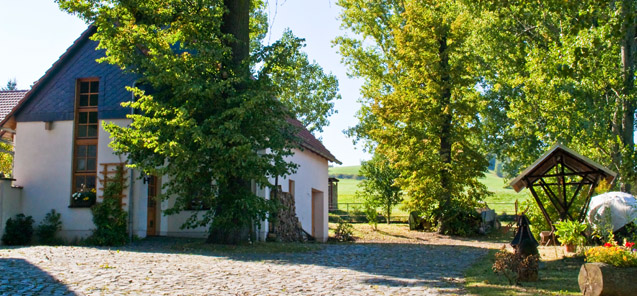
(291, 187)
(85, 139)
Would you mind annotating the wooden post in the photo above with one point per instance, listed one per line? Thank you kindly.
(588, 199)
(539, 203)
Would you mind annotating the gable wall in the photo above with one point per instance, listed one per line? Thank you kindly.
(55, 99)
(312, 174)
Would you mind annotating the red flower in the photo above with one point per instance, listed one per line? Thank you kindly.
(608, 245)
(629, 245)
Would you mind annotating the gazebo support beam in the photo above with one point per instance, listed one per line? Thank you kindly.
(539, 203)
(555, 200)
(579, 187)
(588, 199)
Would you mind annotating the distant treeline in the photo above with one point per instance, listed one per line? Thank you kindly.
(347, 176)
(496, 166)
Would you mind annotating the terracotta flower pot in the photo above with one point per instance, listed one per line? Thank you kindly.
(570, 248)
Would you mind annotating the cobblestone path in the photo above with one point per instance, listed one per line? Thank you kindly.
(334, 269)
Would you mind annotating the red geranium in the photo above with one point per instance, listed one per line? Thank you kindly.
(629, 245)
(608, 245)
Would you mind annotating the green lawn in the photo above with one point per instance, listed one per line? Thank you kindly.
(346, 190)
(502, 200)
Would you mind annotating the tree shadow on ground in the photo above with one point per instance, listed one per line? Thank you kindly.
(392, 265)
(19, 277)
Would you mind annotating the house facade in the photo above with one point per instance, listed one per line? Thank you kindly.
(61, 148)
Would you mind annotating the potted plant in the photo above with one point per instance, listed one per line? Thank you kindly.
(570, 234)
(84, 197)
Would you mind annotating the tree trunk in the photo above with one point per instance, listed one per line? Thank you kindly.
(239, 230)
(237, 23)
(445, 135)
(603, 279)
(628, 74)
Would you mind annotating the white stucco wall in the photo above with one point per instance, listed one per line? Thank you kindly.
(139, 190)
(10, 202)
(43, 166)
(312, 173)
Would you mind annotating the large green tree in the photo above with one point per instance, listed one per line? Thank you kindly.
(379, 189)
(306, 90)
(420, 105)
(561, 71)
(210, 123)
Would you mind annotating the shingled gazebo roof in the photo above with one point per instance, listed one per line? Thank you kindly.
(573, 160)
(553, 172)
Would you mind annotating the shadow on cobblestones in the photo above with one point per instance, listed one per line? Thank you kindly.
(169, 266)
(385, 264)
(19, 277)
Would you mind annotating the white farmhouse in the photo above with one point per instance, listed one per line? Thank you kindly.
(60, 144)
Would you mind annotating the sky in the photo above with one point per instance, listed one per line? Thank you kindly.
(35, 33)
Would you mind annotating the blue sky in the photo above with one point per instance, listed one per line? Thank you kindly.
(35, 33)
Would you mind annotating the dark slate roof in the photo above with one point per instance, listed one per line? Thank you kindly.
(52, 98)
(312, 143)
(49, 73)
(8, 100)
(79, 47)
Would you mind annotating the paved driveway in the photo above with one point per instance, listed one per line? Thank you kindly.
(154, 269)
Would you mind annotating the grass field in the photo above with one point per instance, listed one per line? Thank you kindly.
(346, 190)
(345, 170)
(503, 198)
(502, 201)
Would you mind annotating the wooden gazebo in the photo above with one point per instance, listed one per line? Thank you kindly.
(561, 174)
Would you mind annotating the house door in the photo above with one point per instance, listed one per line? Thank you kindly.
(151, 225)
(317, 214)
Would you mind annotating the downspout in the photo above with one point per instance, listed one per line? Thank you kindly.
(130, 185)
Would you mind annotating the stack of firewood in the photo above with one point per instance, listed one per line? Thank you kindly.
(286, 226)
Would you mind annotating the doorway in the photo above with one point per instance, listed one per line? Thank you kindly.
(318, 219)
(151, 224)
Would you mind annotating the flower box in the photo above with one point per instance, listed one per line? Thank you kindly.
(83, 199)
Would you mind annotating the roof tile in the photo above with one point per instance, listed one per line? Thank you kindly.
(8, 100)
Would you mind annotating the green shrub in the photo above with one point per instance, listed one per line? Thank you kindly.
(357, 215)
(570, 232)
(372, 216)
(18, 230)
(48, 228)
(344, 231)
(462, 221)
(108, 216)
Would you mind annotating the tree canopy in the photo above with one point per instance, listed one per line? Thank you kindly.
(561, 72)
(207, 121)
(420, 105)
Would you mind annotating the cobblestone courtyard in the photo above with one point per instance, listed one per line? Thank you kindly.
(154, 268)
